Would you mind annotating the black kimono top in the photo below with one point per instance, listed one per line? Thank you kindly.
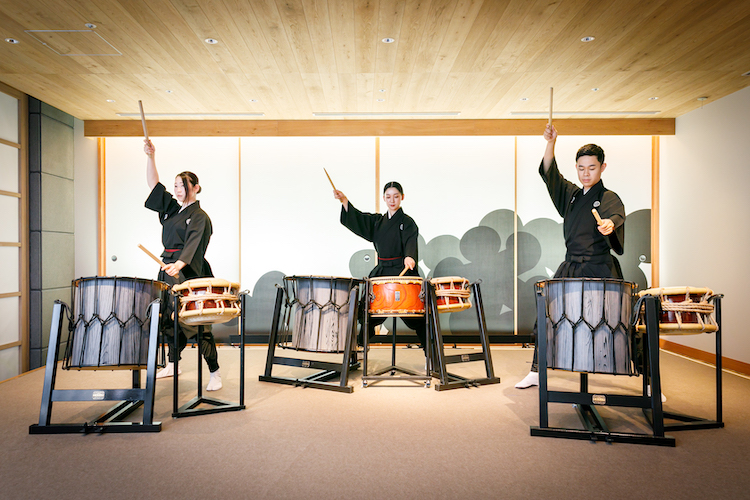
(588, 251)
(394, 238)
(185, 235)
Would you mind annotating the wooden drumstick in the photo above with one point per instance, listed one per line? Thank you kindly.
(157, 259)
(596, 215)
(329, 179)
(550, 106)
(143, 120)
(406, 268)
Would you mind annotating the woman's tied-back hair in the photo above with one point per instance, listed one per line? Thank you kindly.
(189, 180)
(591, 150)
(394, 184)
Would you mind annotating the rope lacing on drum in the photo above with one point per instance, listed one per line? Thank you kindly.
(700, 309)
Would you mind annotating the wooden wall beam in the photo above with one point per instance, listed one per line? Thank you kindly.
(359, 128)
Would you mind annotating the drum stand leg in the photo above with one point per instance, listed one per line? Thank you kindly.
(585, 402)
(191, 408)
(318, 380)
(687, 422)
(130, 399)
(452, 381)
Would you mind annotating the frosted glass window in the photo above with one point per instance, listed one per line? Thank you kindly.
(9, 327)
(8, 168)
(9, 222)
(8, 118)
(9, 363)
(9, 269)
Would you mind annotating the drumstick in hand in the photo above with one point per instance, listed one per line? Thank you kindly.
(143, 120)
(596, 215)
(329, 179)
(550, 106)
(406, 268)
(157, 259)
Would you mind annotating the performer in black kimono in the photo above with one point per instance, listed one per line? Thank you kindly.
(186, 231)
(588, 244)
(394, 235)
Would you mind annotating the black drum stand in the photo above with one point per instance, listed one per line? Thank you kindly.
(327, 370)
(130, 399)
(449, 380)
(586, 402)
(191, 408)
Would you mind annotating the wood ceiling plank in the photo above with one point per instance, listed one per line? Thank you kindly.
(464, 15)
(292, 14)
(366, 35)
(321, 37)
(413, 21)
(342, 19)
(248, 25)
(433, 35)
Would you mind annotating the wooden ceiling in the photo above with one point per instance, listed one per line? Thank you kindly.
(289, 59)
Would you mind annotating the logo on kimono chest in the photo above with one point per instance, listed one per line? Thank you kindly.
(187, 222)
(401, 227)
(596, 204)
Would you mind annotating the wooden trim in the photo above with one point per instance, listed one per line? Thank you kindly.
(10, 193)
(358, 128)
(11, 345)
(11, 144)
(8, 295)
(377, 175)
(515, 234)
(6, 89)
(655, 155)
(239, 208)
(705, 357)
(23, 238)
(101, 147)
(10, 244)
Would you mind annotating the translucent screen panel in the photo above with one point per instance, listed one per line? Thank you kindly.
(8, 168)
(9, 223)
(9, 325)
(9, 363)
(9, 269)
(8, 118)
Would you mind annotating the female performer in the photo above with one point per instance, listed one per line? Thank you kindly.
(186, 231)
(394, 235)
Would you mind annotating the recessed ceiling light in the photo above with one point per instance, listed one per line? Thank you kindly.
(388, 40)
(381, 90)
(524, 98)
(377, 113)
(595, 89)
(253, 100)
(211, 41)
(12, 40)
(588, 39)
(381, 100)
(168, 91)
(703, 98)
(110, 100)
(90, 25)
(652, 98)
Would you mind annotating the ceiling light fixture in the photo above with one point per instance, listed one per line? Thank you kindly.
(381, 90)
(652, 98)
(576, 113)
(196, 115)
(595, 89)
(388, 40)
(365, 114)
(169, 91)
(110, 100)
(588, 39)
(524, 98)
(90, 25)
(12, 40)
(381, 100)
(253, 100)
(211, 41)
(703, 98)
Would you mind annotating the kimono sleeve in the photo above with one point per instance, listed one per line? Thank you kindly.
(160, 200)
(196, 241)
(361, 224)
(410, 238)
(560, 189)
(612, 208)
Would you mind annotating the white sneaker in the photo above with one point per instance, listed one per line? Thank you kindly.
(167, 371)
(214, 383)
(529, 380)
(648, 393)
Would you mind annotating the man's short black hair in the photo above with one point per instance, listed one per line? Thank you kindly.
(591, 150)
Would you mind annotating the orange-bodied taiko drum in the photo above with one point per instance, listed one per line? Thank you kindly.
(396, 296)
(452, 293)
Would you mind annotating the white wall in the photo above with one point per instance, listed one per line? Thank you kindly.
(704, 203)
(86, 177)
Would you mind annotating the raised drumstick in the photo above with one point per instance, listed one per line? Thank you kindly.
(143, 120)
(406, 268)
(157, 259)
(550, 106)
(596, 215)
(329, 179)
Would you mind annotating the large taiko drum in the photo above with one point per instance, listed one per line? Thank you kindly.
(685, 310)
(588, 324)
(109, 327)
(320, 308)
(205, 301)
(396, 296)
(452, 293)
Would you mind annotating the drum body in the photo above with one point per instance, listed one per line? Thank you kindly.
(588, 324)
(205, 301)
(109, 326)
(396, 296)
(320, 308)
(685, 310)
(452, 293)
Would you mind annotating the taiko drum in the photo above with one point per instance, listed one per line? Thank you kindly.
(396, 296)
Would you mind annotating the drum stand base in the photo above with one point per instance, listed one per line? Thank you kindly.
(191, 408)
(330, 371)
(393, 369)
(450, 380)
(130, 399)
(584, 401)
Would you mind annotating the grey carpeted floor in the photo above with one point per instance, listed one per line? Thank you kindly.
(378, 442)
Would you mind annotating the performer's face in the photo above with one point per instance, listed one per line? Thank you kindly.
(392, 199)
(184, 193)
(589, 170)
